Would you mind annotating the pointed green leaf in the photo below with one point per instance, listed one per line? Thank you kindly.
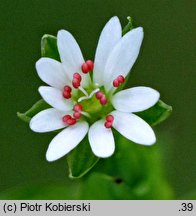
(81, 159)
(36, 108)
(49, 47)
(129, 26)
(156, 114)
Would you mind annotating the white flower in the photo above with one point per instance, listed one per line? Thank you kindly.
(88, 104)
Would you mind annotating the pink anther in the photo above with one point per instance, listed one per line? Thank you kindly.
(109, 118)
(103, 100)
(99, 95)
(108, 124)
(66, 117)
(90, 65)
(78, 108)
(71, 121)
(77, 76)
(121, 79)
(77, 115)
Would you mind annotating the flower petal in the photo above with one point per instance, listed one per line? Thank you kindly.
(133, 128)
(101, 140)
(109, 37)
(55, 98)
(71, 56)
(135, 99)
(66, 140)
(123, 56)
(51, 72)
(47, 120)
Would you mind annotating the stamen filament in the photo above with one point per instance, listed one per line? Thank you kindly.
(83, 91)
(94, 92)
(86, 114)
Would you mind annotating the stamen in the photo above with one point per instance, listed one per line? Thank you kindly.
(87, 66)
(77, 115)
(118, 81)
(78, 108)
(90, 65)
(103, 100)
(109, 118)
(66, 117)
(77, 76)
(76, 80)
(84, 68)
(82, 98)
(108, 124)
(67, 92)
(71, 121)
(83, 91)
(99, 95)
(67, 88)
(86, 114)
(109, 121)
(121, 79)
(94, 92)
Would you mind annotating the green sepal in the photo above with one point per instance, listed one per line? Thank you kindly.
(49, 47)
(129, 26)
(81, 159)
(156, 114)
(36, 108)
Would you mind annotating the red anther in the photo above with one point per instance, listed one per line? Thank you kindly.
(66, 94)
(67, 88)
(116, 83)
(109, 118)
(85, 68)
(78, 108)
(77, 76)
(103, 100)
(90, 65)
(121, 79)
(108, 124)
(66, 117)
(75, 83)
(99, 95)
(71, 121)
(77, 115)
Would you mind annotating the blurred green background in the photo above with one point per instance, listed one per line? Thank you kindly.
(166, 63)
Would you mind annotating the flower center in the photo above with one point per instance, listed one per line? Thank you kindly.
(92, 103)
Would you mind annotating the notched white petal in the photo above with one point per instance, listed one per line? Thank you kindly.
(66, 140)
(47, 120)
(71, 55)
(123, 56)
(51, 72)
(135, 99)
(133, 128)
(109, 37)
(55, 98)
(101, 140)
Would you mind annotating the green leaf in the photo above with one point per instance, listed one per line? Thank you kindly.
(137, 166)
(49, 47)
(81, 159)
(156, 114)
(36, 108)
(48, 191)
(129, 26)
(99, 186)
